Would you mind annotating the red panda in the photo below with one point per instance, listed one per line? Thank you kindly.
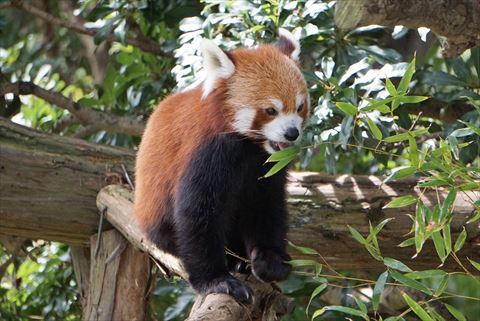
(200, 159)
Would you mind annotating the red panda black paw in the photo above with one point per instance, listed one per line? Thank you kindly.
(231, 286)
(269, 265)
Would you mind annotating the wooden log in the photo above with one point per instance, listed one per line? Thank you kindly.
(49, 185)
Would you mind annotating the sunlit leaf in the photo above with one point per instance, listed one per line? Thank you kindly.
(302, 249)
(347, 108)
(401, 201)
(407, 77)
(374, 129)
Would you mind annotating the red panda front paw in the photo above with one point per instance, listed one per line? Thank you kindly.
(269, 265)
(229, 285)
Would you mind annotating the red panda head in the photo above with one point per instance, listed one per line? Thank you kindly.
(266, 96)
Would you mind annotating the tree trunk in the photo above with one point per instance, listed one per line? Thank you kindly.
(49, 185)
(458, 21)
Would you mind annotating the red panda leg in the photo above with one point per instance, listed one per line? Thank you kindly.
(265, 231)
(200, 215)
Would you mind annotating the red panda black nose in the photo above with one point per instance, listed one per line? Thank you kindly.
(291, 134)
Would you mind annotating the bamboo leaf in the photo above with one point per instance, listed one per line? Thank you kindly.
(287, 153)
(401, 201)
(390, 87)
(416, 308)
(475, 264)
(302, 249)
(319, 289)
(439, 245)
(410, 282)
(347, 108)
(378, 289)
(443, 285)
(347, 310)
(406, 79)
(395, 264)
(456, 313)
(460, 240)
(374, 129)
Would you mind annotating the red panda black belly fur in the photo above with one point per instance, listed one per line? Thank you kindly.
(198, 167)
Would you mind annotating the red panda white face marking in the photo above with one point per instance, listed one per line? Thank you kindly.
(265, 94)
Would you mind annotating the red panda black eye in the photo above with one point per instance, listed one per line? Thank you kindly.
(300, 108)
(271, 111)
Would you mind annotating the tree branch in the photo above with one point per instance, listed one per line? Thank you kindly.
(115, 202)
(458, 21)
(87, 116)
(145, 45)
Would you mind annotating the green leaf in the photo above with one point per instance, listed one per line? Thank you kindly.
(359, 303)
(277, 167)
(456, 313)
(357, 236)
(416, 308)
(443, 285)
(395, 264)
(318, 313)
(378, 289)
(410, 282)
(447, 238)
(462, 132)
(475, 217)
(401, 172)
(390, 87)
(378, 228)
(407, 242)
(401, 201)
(287, 153)
(347, 108)
(475, 264)
(303, 250)
(407, 77)
(434, 181)
(347, 311)
(374, 129)
(425, 274)
(414, 155)
(397, 138)
(379, 105)
(319, 289)
(410, 99)
(439, 245)
(460, 240)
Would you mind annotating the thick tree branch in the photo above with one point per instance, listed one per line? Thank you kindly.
(145, 45)
(49, 185)
(87, 116)
(458, 21)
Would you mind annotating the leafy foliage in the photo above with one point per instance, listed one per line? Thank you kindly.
(375, 110)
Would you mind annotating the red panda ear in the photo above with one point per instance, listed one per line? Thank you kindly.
(216, 64)
(288, 44)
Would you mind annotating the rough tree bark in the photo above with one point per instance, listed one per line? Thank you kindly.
(458, 21)
(49, 186)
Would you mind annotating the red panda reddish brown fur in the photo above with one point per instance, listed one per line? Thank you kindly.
(200, 159)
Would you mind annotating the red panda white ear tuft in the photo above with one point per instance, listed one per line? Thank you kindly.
(216, 65)
(288, 44)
